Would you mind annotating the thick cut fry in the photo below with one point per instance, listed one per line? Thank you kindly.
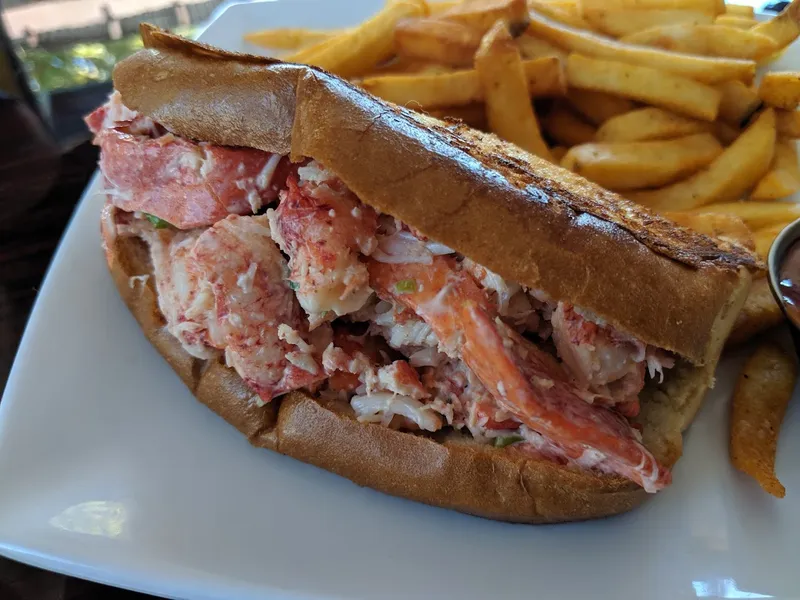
(637, 165)
(706, 40)
(787, 123)
(758, 215)
(473, 115)
(725, 132)
(735, 21)
(558, 152)
(508, 107)
(780, 89)
(597, 107)
(531, 47)
(759, 405)
(303, 55)
(288, 38)
(651, 86)
(738, 103)
(568, 15)
(729, 228)
(740, 10)
(646, 124)
(566, 128)
(700, 68)
(763, 239)
(622, 22)
(437, 8)
(358, 51)
(544, 77)
(712, 7)
(436, 40)
(784, 28)
(481, 15)
(759, 313)
(730, 175)
(783, 178)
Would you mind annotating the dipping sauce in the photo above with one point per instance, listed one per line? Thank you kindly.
(790, 282)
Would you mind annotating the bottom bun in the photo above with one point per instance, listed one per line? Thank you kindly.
(448, 469)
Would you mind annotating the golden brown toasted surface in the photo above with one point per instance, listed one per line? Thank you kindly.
(528, 220)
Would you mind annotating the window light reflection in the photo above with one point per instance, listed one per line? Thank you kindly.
(98, 517)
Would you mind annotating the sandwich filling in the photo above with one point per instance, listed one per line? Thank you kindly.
(279, 270)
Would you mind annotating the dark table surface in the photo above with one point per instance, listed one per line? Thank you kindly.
(40, 185)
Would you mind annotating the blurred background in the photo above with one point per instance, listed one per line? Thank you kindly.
(56, 58)
(67, 48)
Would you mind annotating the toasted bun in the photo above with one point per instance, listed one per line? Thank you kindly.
(447, 470)
(522, 217)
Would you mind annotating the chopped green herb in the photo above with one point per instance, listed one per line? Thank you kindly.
(507, 440)
(406, 286)
(157, 223)
(294, 286)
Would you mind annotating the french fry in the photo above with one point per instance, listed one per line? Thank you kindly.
(725, 132)
(763, 239)
(651, 86)
(650, 123)
(740, 10)
(531, 47)
(780, 89)
(759, 313)
(473, 115)
(508, 107)
(568, 15)
(597, 107)
(622, 22)
(729, 228)
(708, 6)
(783, 178)
(736, 22)
(401, 66)
(303, 55)
(730, 175)
(700, 68)
(289, 38)
(637, 165)
(544, 76)
(569, 4)
(787, 123)
(481, 15)
(566, 128)
(706, 40)
(558, 152)
(784, 28)
(739, 102)
(436, 40)
(437, 7)
(758, 215)
(762, 394)
(358, 51)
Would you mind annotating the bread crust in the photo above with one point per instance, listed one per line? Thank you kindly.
(447, 470)
(441, 178)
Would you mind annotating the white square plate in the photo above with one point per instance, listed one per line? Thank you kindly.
(111, 471)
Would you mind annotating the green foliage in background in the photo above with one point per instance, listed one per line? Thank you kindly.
(80, 64)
